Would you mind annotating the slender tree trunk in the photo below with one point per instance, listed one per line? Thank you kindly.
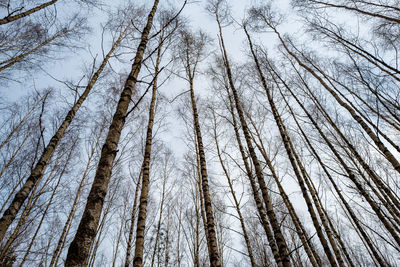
(319, 208)
(166, 259)
(210, 225)
(115, 256)
(332, 80)
(364, 102)
(388, 155)
(350, 173)
(178, 240)
(237, 204)
(131, 228)
(380, 145)
(386, 191)
(159, 218)
(26, 212)
(301, 231)
(326, 171)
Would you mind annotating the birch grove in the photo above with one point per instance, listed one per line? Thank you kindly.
(199, 133)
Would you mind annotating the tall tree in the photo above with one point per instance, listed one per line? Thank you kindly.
(79, 248)
(194, 46)
(142, 212)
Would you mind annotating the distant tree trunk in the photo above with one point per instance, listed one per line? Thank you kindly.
(192, 50)
(178, 239)
(350, 262)
(26, 212)
(301, 231)
(237, 204)
(360, 187)
(381, 146)
(166, 259)
(121, 228)
(347, 169)
(79, 248)
(160, 218)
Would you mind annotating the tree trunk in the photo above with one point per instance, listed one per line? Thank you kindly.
(210, 225)
(388, 155)
(79, 248)
(50, 201)
(260, 207)
(142, 215)
(350, 173)
(301, 231)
